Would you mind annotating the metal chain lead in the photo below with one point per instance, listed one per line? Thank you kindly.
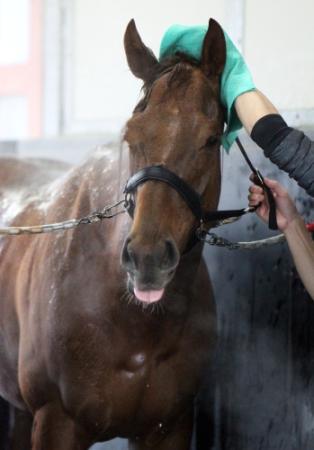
(94, 217)
(105, 213)
(212, 239)
(108, 212)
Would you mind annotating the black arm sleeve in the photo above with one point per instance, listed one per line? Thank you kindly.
(289, 149)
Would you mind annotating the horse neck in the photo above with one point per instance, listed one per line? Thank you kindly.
(83, 190)
(88, 187)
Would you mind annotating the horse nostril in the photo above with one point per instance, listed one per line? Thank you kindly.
(128, 257)
(140, 257)
(171, 258)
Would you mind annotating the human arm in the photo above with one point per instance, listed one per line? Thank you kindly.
(290, 149)
(292, 225)
(302, 249)
(251, 107)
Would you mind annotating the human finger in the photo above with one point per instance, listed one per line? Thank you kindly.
(256, 189)
(276, 187)
(255, 199)
(253, 178)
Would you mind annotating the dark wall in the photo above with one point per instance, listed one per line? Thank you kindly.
(4, 423)
(265, 354)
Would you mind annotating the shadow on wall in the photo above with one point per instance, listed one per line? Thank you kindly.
(265, 322)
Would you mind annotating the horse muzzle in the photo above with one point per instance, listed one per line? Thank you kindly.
(150, 267)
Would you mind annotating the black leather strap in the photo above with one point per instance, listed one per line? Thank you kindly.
(191, 197)
(258, 179)
(272, 220)
(161, 173)
(215, 216)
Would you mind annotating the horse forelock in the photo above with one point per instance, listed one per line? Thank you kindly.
(179, 67)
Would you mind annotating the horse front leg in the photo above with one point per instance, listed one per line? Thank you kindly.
(53, 429)
(20, 436)
(4, 423)
(179, 438)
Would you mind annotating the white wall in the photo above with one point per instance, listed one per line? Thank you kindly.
(97, 92)
(14, 31)
(279, 47)
(14, 51)
(100, 90)
(13, 117)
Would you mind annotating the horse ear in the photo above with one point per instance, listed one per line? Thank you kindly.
(141, 59)
(214, 50)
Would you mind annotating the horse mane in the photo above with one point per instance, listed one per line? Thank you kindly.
(178, 66)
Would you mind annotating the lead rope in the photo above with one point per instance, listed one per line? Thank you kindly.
(202, 234)
(106, 213)
(211, 238)
(259, 179)
(94, 217)
(218, 241)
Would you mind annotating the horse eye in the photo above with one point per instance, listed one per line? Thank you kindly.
(212, 140)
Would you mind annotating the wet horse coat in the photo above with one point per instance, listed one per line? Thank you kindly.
(77, 349)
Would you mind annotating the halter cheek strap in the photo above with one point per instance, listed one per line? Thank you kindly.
(191, 197)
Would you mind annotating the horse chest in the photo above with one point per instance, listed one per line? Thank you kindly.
(130, 402)
(124, 389)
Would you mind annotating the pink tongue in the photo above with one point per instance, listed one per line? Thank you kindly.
(148, 296)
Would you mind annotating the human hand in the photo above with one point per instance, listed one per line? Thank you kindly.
(286, 210)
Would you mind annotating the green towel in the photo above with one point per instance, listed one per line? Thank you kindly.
(236, 78)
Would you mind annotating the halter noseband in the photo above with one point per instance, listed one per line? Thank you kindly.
(191, 197)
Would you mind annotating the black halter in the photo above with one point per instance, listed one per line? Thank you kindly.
(191, 197)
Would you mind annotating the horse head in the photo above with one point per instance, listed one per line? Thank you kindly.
(177, 125)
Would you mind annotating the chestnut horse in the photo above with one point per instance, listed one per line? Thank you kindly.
(95, 345)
